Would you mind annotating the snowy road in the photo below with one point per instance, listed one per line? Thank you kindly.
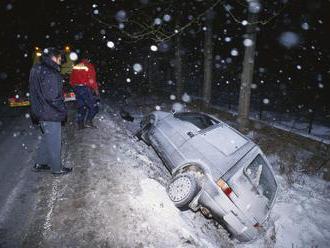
(116, 197)
(18, 184)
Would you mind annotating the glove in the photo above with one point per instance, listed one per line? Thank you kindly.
(64, 121)
(34, 119)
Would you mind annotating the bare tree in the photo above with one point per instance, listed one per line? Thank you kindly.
(178, 68)
(248, 65)
(208, 59)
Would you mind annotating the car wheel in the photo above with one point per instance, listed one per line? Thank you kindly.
(182, 189)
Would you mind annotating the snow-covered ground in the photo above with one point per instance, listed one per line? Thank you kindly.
(300, 216)
(116, 197)
(285, 122)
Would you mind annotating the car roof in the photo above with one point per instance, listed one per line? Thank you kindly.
(233, 139)
(230, 143)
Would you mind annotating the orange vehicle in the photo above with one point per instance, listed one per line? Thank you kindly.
(18, 102)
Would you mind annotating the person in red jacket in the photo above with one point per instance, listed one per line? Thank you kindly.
(83, 81)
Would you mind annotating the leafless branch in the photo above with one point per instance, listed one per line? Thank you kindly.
(156, 34)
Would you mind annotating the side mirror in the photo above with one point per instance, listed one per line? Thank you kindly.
(190, 134)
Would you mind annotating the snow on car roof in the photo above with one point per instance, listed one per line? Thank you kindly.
(225, 139)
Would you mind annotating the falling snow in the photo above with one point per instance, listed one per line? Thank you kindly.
(110, 44)
(137, 67)
(289, 39)
(73, 56)
(234, 52)
(153, 48)
(167, 18)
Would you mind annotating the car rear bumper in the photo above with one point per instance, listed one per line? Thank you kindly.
(226, 212)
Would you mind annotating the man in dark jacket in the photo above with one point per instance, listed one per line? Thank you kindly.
(47, 107)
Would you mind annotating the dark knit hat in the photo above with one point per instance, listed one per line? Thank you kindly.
(51, 52)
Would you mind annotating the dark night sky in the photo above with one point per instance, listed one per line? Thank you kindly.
(26, 24)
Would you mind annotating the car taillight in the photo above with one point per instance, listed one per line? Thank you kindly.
(257, 225)
(224, 187)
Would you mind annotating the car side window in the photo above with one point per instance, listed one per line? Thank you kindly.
(199, 120)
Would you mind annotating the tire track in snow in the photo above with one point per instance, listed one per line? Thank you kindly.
(50, 206)
(8, 206)
(5, 209)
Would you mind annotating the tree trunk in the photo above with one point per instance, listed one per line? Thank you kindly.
(208, 61)
(247, 74)
(149, 72)
(178, 68)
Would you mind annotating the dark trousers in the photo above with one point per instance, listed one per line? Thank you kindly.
(49, 151)
(86, 103)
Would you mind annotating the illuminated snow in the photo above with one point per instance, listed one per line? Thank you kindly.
(186, 98)
(247, 42)
(289, 39)
(167, 18)
(158, 21)
(121, 16)
(177, 107)
(110, 44)
(227, 39)
(254, 7)
(305, 26)
(234, 52)
(153, 48)
(73, 56)
(244, 22)
(172, 97)
(137, 67)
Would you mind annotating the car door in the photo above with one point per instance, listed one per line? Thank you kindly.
(165, 139)
(188, 126)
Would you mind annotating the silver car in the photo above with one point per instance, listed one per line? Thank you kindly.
(214, 169)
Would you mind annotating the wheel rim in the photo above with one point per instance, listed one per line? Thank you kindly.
(179, 189)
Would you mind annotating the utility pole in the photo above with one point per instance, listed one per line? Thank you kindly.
(248, 65)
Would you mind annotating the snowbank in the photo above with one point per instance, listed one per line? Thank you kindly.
(116, 197)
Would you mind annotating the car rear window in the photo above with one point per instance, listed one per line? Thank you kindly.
(262, 178)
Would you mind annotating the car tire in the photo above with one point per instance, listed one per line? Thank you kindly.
(182, 189)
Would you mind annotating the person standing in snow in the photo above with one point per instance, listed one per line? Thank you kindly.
(83, 81)
(48, 110)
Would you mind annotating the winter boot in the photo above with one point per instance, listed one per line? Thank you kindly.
(81, 125)
(40, 167)
(62, 172)
(89, 124)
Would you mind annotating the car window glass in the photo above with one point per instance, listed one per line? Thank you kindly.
(199, 120)
(261, 177)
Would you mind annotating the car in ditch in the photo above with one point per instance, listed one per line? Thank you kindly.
(215, 169)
